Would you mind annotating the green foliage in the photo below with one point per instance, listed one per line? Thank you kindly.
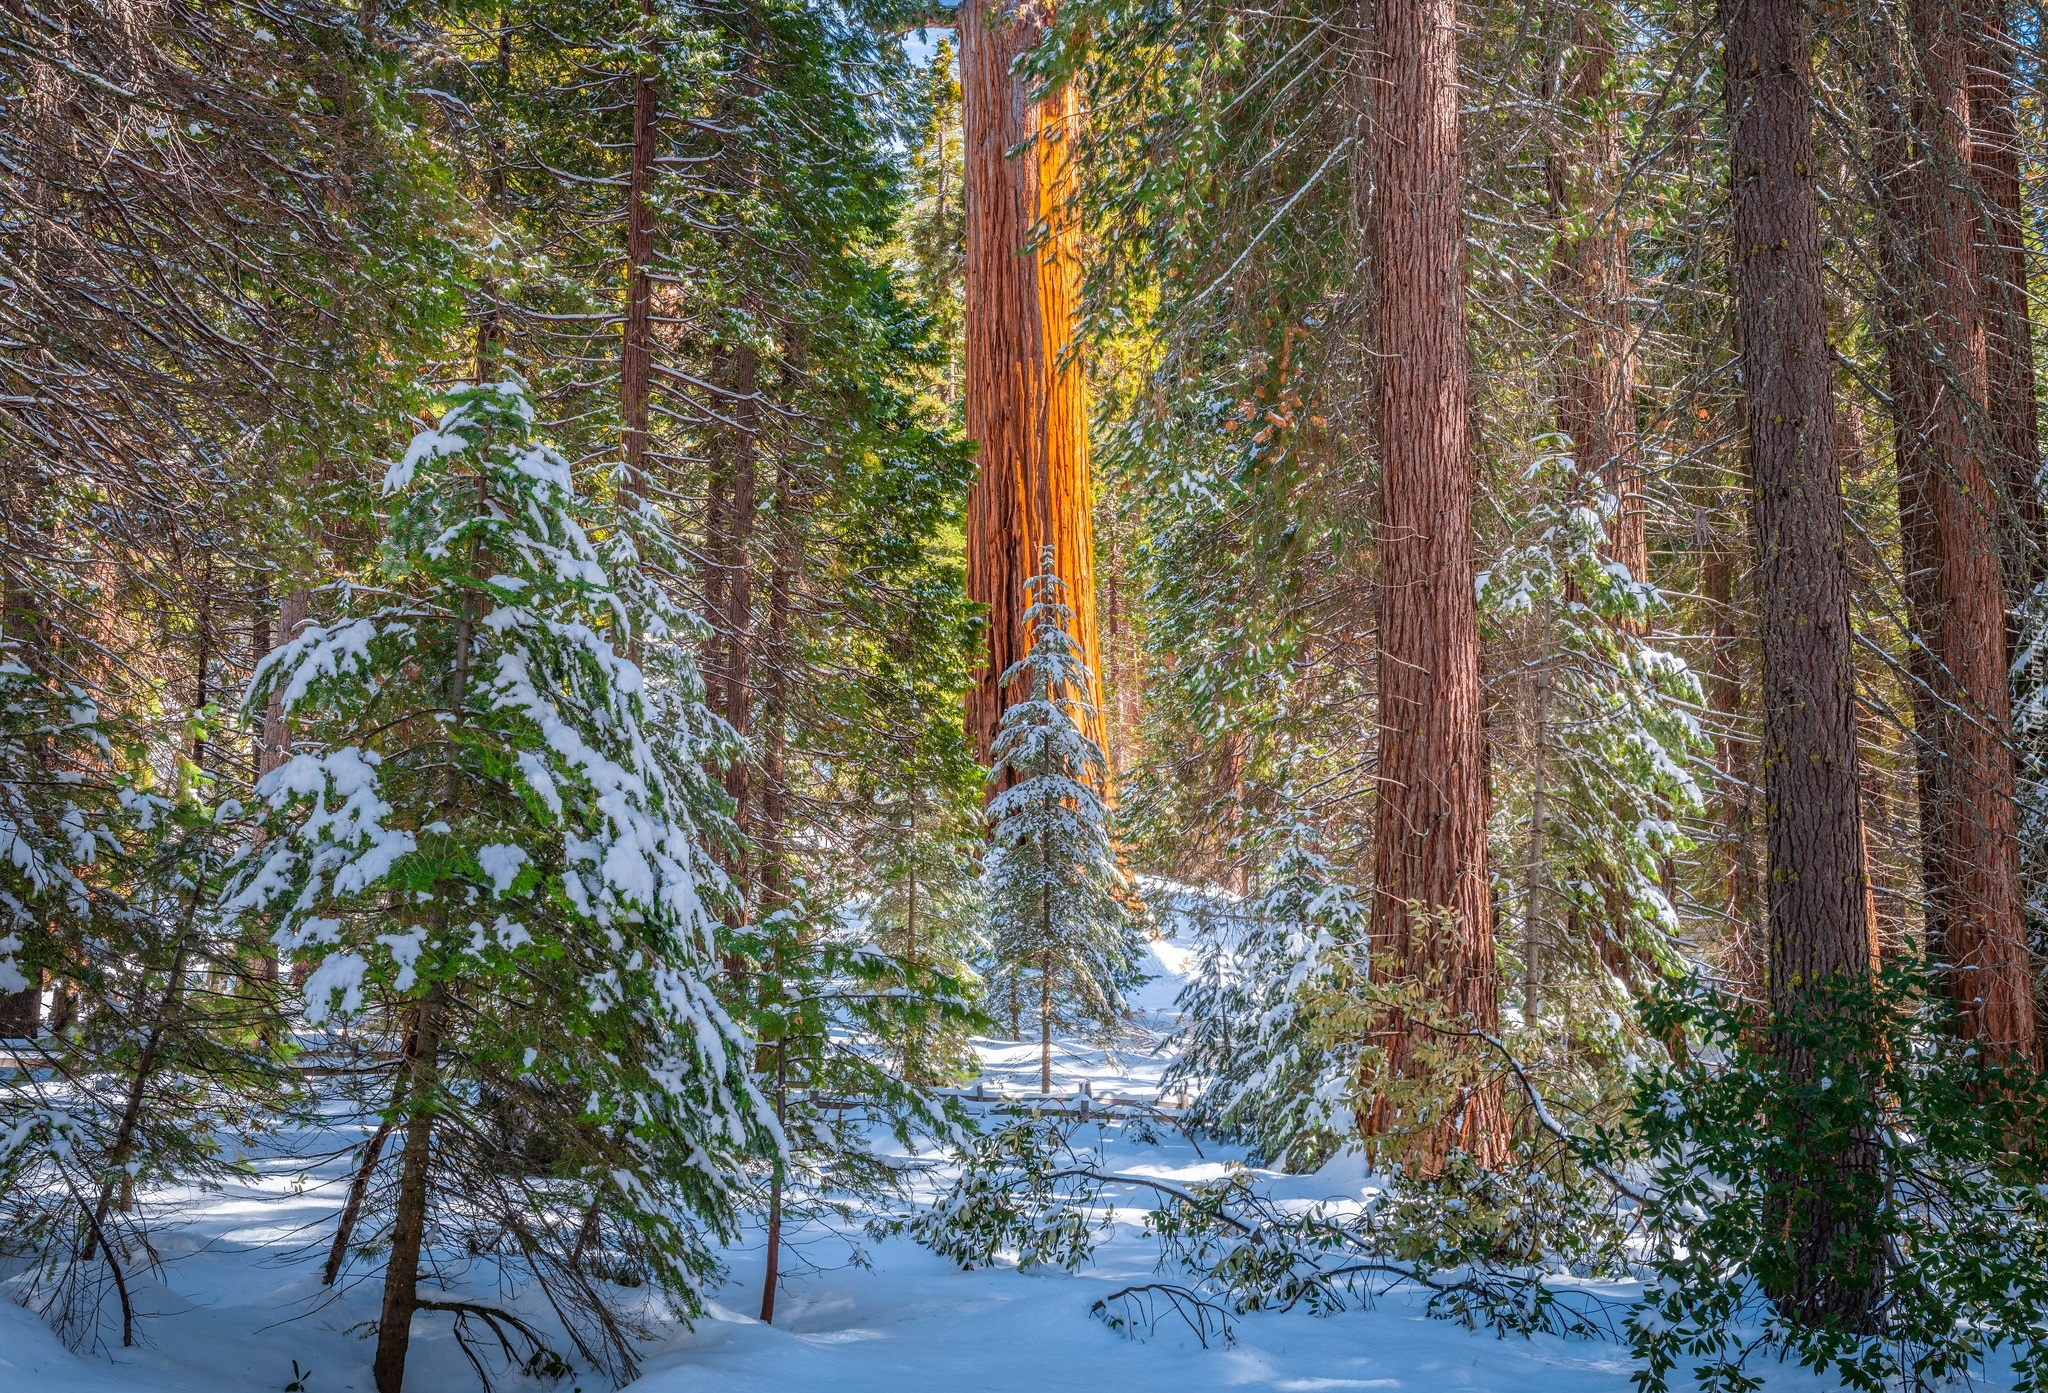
(1024, 1190)
(1252, 1035)
(1063, 944)
(833, 1017)
(1618, 735)
(488, 868)
(161, 1061)
(1857, 1150)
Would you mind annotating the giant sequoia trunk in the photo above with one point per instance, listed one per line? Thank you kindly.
(1819, 927)
(1432, 927)
(1936, 345)
(1027, 398)
(2002, 287)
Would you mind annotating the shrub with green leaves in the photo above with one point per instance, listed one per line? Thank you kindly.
(1926, 1161)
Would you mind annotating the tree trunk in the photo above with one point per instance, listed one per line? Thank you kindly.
(736, 672)
(1819, 932)
(636, 348)
(774, 1273)
(409, 1223)
(1590, 277)
(1936, 343)
(1734, 757)
(1027, 398)
(276, 744)
(352, 1206)
(2002, 287)
(1432, 907)
(1532, 894)
(1045, 1030)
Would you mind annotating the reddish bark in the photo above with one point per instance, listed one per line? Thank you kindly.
(1432, 912)
(2002, 285)
(1027, 398)
(1936, 344)
(636, 350)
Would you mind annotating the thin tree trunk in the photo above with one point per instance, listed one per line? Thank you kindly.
(1027, 401)
(1590, 276)
(352, 1207)
(1432, 921)
(736, 673)
(490, 325)
(774, 1273)
(123, 1147)
(409, 1222)
(1532, 937)
(1045, 1030)
(636, 349)
(1733, 757)
(1819, 932)
(1935, 339)
(276, 746)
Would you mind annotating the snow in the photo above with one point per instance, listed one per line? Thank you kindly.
(238, 1299)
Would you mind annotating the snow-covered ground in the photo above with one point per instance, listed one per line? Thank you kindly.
(238, 1300)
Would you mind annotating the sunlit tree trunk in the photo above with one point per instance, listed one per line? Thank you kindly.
(1948, 522)
(1818, 915)
(1027, 397)
(1432, 921)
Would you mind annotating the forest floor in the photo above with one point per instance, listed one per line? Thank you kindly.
(236, 1304)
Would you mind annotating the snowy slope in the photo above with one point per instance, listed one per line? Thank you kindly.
(238, 1300)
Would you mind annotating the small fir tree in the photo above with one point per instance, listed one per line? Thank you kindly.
(485, 866)
(1253, 1034)
(1064, 942)
(155, 1064)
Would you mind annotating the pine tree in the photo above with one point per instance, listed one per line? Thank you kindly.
(1063, 942)
(482, 862)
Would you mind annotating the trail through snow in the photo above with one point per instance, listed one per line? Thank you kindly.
(238, 1299)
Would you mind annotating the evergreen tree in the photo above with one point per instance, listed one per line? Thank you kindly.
(1063, 941)
(486, 867)
(1256, 1007)
(1617, 740)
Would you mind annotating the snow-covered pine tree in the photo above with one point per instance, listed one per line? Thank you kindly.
(1063, 943)
(1264, 979)
(1615, 736)
(489, 871)
(153, 1064)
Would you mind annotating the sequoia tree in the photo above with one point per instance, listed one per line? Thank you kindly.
(1432, 914)
(1026, 397)
(1947, 462)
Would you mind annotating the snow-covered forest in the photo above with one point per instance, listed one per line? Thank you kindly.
(1171, 694)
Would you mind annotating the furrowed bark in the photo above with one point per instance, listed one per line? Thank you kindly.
(1819, 930)
(1432, 919)
(636, 348)
(1935, 341)
(1027, 400)
(2014, 409)
(1591, 280)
